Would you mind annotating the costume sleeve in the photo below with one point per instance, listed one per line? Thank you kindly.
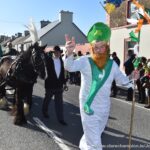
(120, 78)
(72, 65)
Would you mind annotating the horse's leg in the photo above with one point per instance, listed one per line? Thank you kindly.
(29, 95)
(13, 111)
(20, 117)
(2, 91)
(3, 101)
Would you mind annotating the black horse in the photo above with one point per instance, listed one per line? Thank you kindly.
(21, 74)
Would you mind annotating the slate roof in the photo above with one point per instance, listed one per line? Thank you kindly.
(20, 40)
(45, 29)
(4, 43)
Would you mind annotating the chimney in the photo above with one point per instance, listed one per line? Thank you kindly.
(65, 16)
(12, 37)
(18, 34)
(44, 23)
(26, 33)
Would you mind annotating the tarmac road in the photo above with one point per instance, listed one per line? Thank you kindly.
(48, 134)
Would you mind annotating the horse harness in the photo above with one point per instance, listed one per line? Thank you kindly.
(13, 72)
(38, 63)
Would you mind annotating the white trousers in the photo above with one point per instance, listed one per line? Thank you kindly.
(91, 139)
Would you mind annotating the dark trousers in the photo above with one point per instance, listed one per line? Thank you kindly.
(139, 88)
(58, 98)
(114, 88)
(130, 94)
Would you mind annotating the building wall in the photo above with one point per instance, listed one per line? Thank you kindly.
(118, 17)
(117, 43)
(145, 41)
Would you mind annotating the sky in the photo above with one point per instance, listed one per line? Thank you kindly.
(14, 14)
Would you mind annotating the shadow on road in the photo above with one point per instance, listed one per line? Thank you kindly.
(71, 133)
(114, 139)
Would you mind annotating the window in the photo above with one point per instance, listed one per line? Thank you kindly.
(132, 12)
(128, 45)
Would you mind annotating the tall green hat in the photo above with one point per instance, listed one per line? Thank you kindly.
(99, 32)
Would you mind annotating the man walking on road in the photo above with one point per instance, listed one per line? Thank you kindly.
(54, 84)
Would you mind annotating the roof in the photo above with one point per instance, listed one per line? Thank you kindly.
(45, 29)
(5, 42)
(79, 29)
(19, 40)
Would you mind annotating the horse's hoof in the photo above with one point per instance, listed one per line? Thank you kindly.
(19, 122)
(26, 108)
(3, 103)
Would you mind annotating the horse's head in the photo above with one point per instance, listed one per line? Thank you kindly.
(38, 59)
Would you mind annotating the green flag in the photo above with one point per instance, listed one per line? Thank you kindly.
(133, 37)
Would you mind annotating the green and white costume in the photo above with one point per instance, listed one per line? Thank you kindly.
(95, 121)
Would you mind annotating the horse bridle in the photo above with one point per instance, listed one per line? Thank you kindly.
(36, 64)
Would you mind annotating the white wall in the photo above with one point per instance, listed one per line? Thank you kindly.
(145, 41)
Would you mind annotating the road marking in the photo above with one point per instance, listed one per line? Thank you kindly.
(130, 103)
(56, 139)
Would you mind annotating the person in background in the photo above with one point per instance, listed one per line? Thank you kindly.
(77, 74)
(21, 48)
(141, 89)
(129, 63)
(11, 51)
(97, 74)
(54, 84)
(1, 52)
(114, 87)
(129, 68)
(147, 84)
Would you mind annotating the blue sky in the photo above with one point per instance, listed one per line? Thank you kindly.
(14, 14)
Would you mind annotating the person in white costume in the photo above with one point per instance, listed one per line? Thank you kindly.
(97, 74)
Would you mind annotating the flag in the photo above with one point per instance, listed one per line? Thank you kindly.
(133, 37)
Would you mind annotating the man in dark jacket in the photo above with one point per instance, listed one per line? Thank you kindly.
(114, 87)
(54, 84)
(129, 63)
(129, 67)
